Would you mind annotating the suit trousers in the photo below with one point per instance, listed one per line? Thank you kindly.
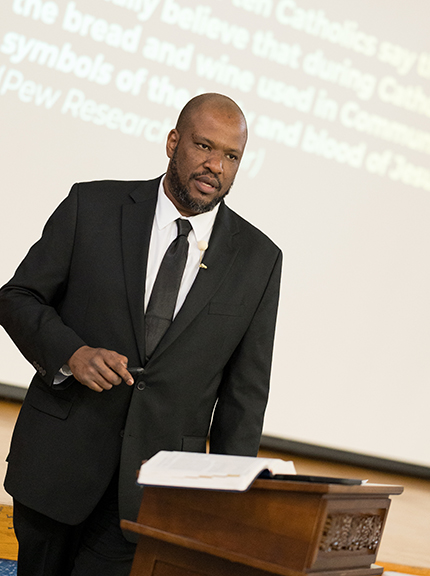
(94, 547)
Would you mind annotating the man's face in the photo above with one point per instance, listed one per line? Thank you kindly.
(204, 159)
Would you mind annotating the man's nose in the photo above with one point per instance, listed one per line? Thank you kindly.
(214, 162)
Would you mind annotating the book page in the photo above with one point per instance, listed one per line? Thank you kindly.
(219, 471)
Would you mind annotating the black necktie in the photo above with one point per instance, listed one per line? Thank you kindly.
(161, 305)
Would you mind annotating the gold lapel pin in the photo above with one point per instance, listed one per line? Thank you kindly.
(202, 246)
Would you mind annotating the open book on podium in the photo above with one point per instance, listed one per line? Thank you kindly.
(314, 526)
(209, 471)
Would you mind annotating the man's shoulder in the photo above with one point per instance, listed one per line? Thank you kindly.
(116, 190)
(248, 230)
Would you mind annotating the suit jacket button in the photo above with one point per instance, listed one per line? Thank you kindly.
(141, 385)
(121, 433)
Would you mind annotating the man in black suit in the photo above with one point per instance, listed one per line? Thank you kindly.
(75, 308)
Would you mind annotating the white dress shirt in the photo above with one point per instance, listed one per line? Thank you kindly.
(164, 231)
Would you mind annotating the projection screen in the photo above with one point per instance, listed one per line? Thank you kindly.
(337, 99)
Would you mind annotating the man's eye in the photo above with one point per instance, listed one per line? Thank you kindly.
(204, 146)
(231, 156)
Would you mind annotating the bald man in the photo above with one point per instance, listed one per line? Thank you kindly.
(77, 308)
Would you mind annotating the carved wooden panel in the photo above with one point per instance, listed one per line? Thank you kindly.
(351, 532)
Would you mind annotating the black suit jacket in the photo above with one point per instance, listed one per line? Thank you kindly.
(84, 283)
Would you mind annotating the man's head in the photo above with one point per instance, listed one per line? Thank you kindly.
(205, 150)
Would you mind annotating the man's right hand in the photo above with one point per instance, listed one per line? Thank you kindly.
(99, 369)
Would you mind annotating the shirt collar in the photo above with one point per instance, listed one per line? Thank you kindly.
(166, 213)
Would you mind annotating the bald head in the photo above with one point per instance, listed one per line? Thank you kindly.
(211, 102)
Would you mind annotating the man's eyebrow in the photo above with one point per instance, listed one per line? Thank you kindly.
(212, 143)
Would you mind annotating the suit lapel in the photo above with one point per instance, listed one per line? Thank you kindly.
(219, 259)
(137, 219)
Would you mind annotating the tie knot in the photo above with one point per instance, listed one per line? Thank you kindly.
(184, 227)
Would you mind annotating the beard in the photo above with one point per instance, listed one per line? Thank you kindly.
(181, 191)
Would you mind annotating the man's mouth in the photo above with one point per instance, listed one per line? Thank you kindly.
(207, 184)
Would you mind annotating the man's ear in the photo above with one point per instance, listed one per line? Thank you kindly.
(172, 142)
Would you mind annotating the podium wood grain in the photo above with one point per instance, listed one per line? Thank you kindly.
(285, 528)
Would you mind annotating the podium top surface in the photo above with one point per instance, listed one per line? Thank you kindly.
(327, 488)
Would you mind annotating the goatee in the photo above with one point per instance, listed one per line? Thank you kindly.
(182, 194)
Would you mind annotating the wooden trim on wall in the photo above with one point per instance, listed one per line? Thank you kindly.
(315, 452)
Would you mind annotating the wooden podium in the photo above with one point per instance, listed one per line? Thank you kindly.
(287, 528)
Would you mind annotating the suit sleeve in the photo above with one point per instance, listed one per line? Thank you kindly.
(29, 302)
(238, 417)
